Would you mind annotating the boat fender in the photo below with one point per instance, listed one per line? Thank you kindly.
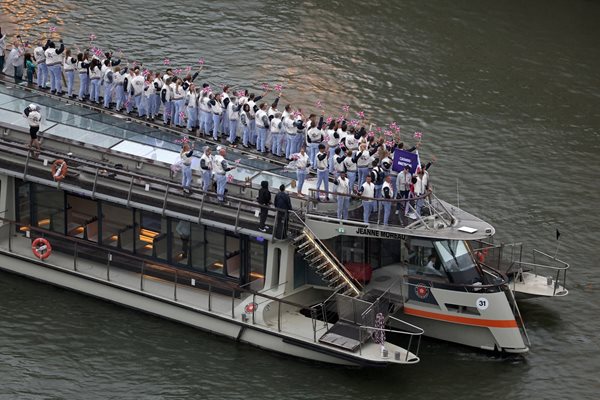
(59, 170)
(41, 248)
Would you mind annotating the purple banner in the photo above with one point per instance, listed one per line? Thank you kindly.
(402, 158)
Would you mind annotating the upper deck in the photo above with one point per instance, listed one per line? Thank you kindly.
(129, 161)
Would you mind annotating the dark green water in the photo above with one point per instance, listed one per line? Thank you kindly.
(507, 95)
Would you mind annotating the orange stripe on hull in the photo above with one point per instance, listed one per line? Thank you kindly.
(489, 323)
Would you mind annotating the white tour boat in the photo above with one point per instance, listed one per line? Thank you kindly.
(318, 288)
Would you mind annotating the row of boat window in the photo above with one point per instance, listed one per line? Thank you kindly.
(177, 242)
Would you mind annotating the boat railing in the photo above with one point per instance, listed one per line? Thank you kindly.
(135, 189)
(508, 257)
(115, 263)
(558, 271)
(409, 332)
(370, 319)
(177, 134)
(437, 214)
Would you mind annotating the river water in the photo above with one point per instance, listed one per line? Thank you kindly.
(507, 95)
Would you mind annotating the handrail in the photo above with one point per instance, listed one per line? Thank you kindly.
(359, 197)
(559, 268)
(120, 171)
(100, 110)
(132, 177)
(357, 287)
(418, 334)
(420, 331)
(203, 278)
(435, 211)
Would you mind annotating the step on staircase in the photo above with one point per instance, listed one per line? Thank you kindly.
(326, 265)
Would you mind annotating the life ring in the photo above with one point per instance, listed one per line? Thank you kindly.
(41, 248)
(59, 170)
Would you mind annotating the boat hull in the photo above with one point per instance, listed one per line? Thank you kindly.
(173, 310)
(456, 318)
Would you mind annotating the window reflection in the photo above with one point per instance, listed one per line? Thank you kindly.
(257, 258)
(151, 235)
(117, 226)
(50, 208)
(215, 249)
(82, 218)
(182, 243)
(23, 205)
(233, 256)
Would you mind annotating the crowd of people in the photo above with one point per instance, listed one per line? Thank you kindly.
(359, 161)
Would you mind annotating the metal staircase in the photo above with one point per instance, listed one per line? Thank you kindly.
(325, 264)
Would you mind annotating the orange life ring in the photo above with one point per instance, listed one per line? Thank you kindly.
(41, 248)
(59, 170)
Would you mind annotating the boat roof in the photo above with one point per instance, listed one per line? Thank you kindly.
(109, 133)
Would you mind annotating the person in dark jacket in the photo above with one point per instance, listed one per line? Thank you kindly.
(283, 205)
(264, 199)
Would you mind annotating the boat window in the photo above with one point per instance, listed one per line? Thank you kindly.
(233, 255)
(197, 246)
(422, 259)
(23, 205)
(49, 208)
(117, 226)
(457, 261)
(215, 249)
(151, 235)
(257, 257)
(351, 249)
(82, 218)
(276, 266)
(454, 255)
(181, 236)
(391, 251)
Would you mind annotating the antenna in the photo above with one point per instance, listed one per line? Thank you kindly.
(457, 195)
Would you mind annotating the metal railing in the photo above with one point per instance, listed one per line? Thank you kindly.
(136, 189)
(362, 316)
(508, 258)
(84, 252)
(177, 134)
(438, 212)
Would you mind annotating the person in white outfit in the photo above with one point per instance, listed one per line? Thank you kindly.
(343, 200)
(34, 119)
(54, 62)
